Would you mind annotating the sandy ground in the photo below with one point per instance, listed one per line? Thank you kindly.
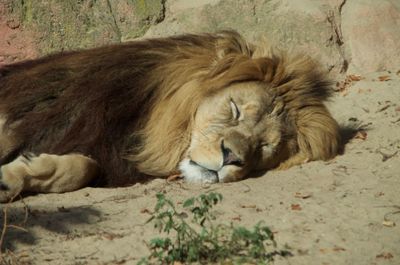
(337, 212)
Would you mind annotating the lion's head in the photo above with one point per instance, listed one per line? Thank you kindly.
(235, 130)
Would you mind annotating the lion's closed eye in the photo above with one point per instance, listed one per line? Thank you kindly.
(235, 110)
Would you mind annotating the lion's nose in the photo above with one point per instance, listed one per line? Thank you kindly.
(229, 157)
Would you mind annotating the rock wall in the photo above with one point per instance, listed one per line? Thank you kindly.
(355, 36)
(30, 28)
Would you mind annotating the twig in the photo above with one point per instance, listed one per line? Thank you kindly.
(383, 108)
(3, 231)
(6, 225)
(26, 211)
(17, 227)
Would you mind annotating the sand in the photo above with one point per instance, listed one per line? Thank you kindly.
(343, 211)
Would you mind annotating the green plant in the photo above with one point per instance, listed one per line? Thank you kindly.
(204, 241)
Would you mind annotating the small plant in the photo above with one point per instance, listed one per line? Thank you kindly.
(204, 241)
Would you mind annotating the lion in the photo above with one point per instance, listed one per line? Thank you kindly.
(211, 107)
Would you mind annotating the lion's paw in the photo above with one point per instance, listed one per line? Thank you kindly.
(10, 186)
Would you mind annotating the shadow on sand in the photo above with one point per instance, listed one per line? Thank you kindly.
(21, 220)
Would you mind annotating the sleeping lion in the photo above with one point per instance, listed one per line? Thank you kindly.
(211, 107)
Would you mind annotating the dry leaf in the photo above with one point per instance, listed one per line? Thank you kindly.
(334, 249)
(237, 218)
(364, 90)
(174, 177)
(145, 210)
(337, 249)
(302, 252)
(248, 206)
(361, 135)
(389, 223)
(384, 255)
(296, 207)
(302, 195)
(354, 77)
(341, 86)
(109, 236)
(384, 78)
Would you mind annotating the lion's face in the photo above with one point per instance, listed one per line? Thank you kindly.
(235, 131)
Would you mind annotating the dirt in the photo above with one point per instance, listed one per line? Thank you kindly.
(343, 211)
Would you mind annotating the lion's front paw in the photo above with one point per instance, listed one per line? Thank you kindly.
(9, 187)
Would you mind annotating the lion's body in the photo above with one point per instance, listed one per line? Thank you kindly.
(91, 101)
(131, 107)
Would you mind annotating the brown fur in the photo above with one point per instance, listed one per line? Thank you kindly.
(131, 106)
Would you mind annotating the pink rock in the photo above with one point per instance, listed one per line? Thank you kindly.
(15, 43)
(371, 31)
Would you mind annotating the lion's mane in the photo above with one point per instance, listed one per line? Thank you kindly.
(131, 106)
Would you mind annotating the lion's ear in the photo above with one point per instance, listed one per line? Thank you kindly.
(230, 42)
(262, 47)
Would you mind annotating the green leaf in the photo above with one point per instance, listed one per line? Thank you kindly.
(188, 202)
(214, 243)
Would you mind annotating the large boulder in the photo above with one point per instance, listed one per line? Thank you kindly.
(69, 24)
(346, 36)
(371, 31)
(301, 26)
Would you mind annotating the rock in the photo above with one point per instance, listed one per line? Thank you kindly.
(69, 24)
(133, 20)
(355, 36)
(371, 32)
(288, 25)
